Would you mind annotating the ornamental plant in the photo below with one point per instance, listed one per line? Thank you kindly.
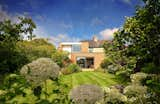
(40, 70)
(113, 96)
(86, 94)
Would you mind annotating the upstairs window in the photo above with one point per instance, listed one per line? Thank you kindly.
(90, 50)
(76, 48)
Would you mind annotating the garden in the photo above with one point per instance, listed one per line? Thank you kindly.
(34, 71)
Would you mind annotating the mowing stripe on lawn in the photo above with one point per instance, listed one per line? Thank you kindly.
(90, 79)
(78, 79)
(95, 79)
(104, 79)
(108, 75)
(74, 81)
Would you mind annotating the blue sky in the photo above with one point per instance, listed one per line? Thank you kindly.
(72, 20)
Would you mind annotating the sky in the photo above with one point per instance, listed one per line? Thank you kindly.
(71, 20)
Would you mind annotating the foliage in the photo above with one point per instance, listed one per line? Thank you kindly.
(16, 90)
(113, 96)
(86, 94)
(61, 58)
(40, 70)
(138, 77)
(152, 81)
(123, 76)
(151, 68)
(136, 93)
(56, 91)
(104, 64)
(141, 34)
(71, 68)
(35, 49)
(115, 61)
(10, 34)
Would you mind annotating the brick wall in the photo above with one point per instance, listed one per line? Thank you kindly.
(98, 57)
(84, 47)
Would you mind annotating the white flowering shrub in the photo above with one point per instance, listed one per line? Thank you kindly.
(86, 94)
(113, 96)
(40, 70)
(135, 93)
(113, 68)
(138, 77)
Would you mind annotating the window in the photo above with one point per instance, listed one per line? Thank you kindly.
(90, 50)
(76, 48)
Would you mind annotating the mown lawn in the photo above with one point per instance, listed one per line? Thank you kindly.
(96, 78)
(67, 82)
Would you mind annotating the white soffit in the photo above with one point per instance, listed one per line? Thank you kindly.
(70, 43)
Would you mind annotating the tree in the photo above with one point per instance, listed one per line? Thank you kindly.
(29, 25)
(115, 60)
(10, 34)
(141, 34)
(35, 49)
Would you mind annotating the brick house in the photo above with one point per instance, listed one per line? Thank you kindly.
(86, 53)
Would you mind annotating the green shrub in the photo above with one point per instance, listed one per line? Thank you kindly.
(35, 49)
(151, 68)
(123, 76)
(104, 64)
(72, 68)
(61, 58)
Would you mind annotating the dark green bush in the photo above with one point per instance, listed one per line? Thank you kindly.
(151, 68)
(104, 64)
(72, 68)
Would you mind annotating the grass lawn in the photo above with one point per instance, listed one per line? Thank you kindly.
(96, 78)
(67, 82)
(75, 79)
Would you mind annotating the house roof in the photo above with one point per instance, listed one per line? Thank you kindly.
(95, 44)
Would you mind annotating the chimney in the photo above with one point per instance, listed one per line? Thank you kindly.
(95, 39)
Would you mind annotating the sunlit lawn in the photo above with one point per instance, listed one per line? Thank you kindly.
(96, 78)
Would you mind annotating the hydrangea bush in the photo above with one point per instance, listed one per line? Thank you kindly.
(138, 77)
(113, 96)
(136, 93)
(86, 94)
(40, 70)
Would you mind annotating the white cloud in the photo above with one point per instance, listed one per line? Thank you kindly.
(108, 33)
(54, 38)
(3, 14)
(40, 32)
(62, 38)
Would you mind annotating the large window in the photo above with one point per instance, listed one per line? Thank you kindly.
(90, 50)
(76, 48)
